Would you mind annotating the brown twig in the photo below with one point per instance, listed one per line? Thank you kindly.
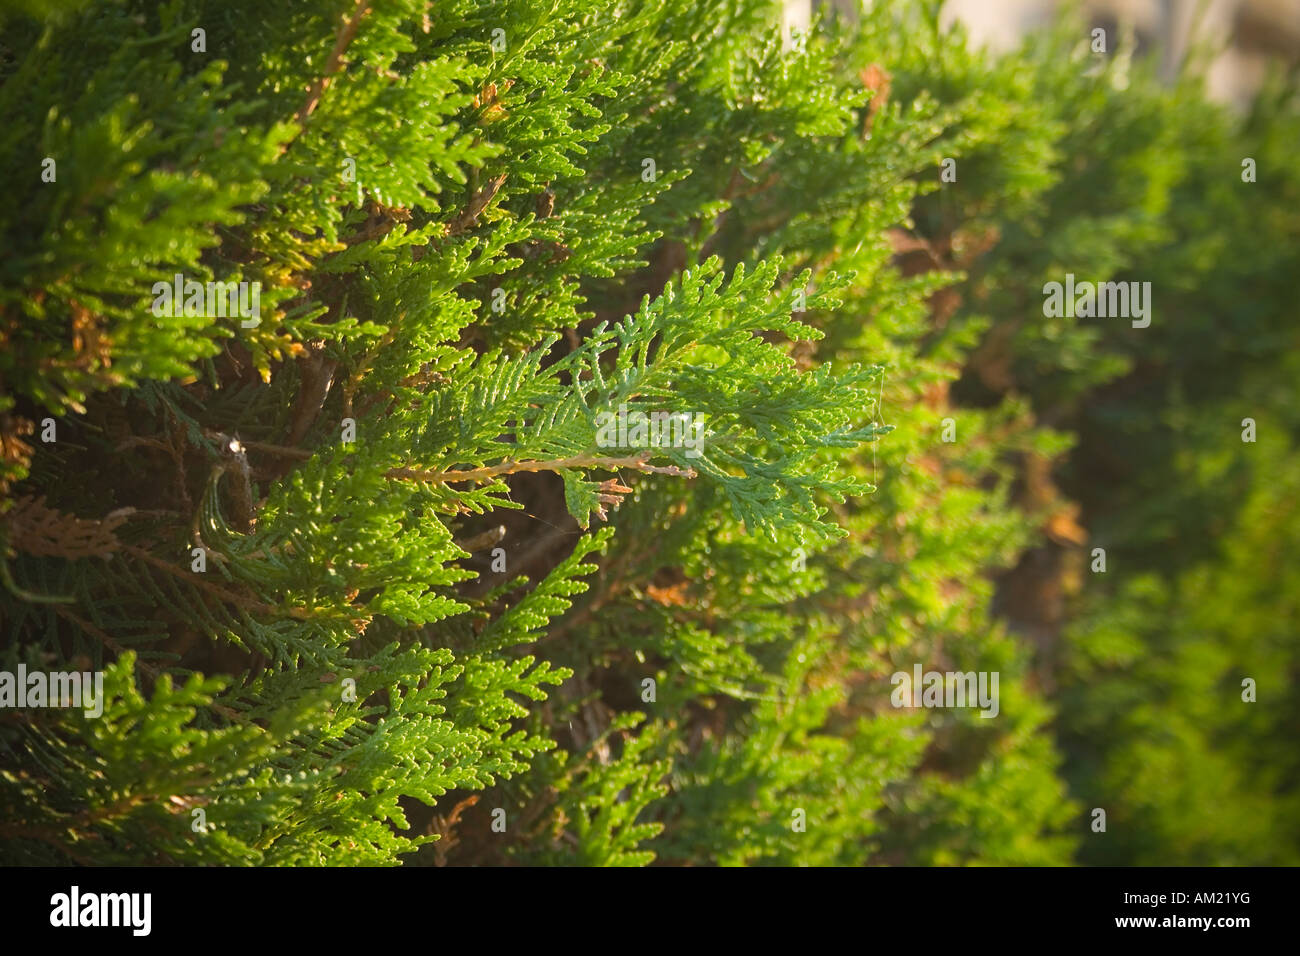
(639, 461)
(345, 36)
(317, 376)
(302, 454)
(354, 380)
(485, 540)
(477, 203)
(445, 827)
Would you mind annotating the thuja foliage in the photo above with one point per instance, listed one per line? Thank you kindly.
(1186, 437)
(368, 581)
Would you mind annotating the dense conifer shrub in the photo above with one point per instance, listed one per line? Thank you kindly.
(537, 433)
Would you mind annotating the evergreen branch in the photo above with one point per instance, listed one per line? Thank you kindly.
(16, 589)
(226, 597)
(301, 454)
(52, 838)
(153, 672)
(103, 638)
